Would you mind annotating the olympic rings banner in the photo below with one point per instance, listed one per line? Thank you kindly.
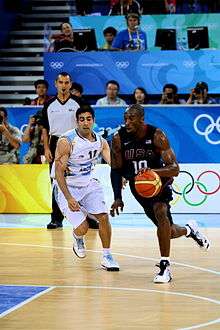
(149, 69)
(193, 131)
(194, 134)
(195, 190)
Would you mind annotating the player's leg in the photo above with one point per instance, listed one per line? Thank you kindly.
(95, 205)
(164, 235)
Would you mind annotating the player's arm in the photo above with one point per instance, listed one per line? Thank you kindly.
(106, 151)
(171, 167)
(61, 158)
(116, 174)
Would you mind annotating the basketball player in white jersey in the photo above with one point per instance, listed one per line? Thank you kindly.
(79, 193)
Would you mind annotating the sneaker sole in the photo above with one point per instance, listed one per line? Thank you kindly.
(111, 269)
(80, 257)
(160, 282)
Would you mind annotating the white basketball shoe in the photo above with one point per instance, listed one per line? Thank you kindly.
(109, 264)
(79, 247)
(197, 236)
(164, 275)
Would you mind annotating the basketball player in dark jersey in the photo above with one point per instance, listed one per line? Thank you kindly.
(139, 146)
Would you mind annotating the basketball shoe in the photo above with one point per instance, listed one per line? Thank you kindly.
(109, 264)
(164, 275)
(79, 247)
(197, 236)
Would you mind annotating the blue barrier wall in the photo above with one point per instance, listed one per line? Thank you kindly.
(194, 131)
(151, 70)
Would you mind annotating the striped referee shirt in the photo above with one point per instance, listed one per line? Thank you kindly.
(59, 117)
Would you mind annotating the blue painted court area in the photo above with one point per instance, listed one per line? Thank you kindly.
(12, 296)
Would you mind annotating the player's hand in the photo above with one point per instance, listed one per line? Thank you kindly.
(118, 204)
(73, 204)
(124, 183)
(142, 170)
(48, 155)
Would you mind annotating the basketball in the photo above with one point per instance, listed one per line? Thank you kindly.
(148, 183)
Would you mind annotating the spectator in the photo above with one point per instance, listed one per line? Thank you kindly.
(65, 39)
(170, 6)
(41, 88)
(27, 101)
(10, 139)
(131, 38)
(33, 134)
(124, 7)
(76, 89)
(140, 96)
(83, 7)
(169, 95)
(199, 95)
(111, 98)
(109, 35)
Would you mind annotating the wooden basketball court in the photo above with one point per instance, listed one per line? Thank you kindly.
(77, 294)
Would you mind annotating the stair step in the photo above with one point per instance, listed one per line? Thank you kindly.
(23, 50)
(40, 25)
(16, 96)
(8, 88)
(47, 15)
(22, 59)
(27, 41)
(20, 78)
(51, 8)
(22, 68)
(30, 33)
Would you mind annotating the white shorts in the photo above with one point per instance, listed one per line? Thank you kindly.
(90, 198)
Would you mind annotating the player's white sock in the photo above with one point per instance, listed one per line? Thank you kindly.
(106, 251)
(165, 258)
(188, 231)
(76, 236)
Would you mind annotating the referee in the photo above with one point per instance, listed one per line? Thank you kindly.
(58, 116)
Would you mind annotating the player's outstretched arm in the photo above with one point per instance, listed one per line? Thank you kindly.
(61, 158)
(171, 167)
(116, 175)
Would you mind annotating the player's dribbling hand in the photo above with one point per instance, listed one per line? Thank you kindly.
(118, 204)
(73, 204)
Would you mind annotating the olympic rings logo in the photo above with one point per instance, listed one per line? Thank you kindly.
(189, 64)
(209, 128)
(199, 184)
(56, 65)
(122, 65)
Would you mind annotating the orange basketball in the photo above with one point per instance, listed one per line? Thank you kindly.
(148, 183)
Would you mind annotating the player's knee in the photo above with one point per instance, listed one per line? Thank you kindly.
(160, 212)
(102, 217)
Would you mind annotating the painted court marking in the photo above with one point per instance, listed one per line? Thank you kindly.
(211, 322)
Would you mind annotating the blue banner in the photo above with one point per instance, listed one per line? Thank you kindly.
(151, 70)
(193, 131)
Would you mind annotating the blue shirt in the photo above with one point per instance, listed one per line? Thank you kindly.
(130, 40)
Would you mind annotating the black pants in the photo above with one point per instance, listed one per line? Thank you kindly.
(56, 215)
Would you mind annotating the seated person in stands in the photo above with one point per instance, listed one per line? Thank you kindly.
(109, 35)
(170, 6)
(131, 38)
(140, 96)
(111, 98)
(124, 7)
(10, 139)
(77, 90)
(41, 88)
(65, 39)
(33, 135)
(170, 95)
(199, 95)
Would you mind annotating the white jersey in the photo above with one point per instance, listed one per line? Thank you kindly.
(83, 156)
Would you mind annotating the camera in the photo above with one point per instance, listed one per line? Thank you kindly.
(1, 119)
(169, 95)
(198, 90)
